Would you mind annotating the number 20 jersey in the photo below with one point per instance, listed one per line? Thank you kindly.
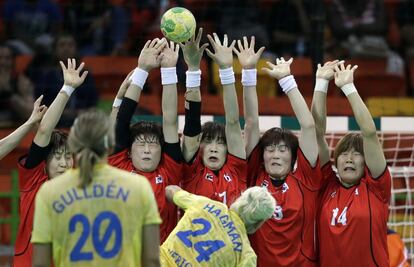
(209, 234)
(100, 225)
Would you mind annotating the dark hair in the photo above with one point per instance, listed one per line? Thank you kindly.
(212, 130)
(58, 140)
(147, 129)
(91, 137)
(348, 141)
(275, 135)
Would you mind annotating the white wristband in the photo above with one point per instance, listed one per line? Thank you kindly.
(138, 77)
(68, 89)
(321, 85)
(287, 83)
(117, 103)
(169, 76)
(193, 78)
(227, 76)
(348, 89)
(249, 77)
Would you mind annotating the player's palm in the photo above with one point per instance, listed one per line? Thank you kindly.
(326, 71)
(280, 70)
(150, 55)
(192, 51)
(344, 75)
(169, 55)
(247, 57)
(71, 74)
(223, 53)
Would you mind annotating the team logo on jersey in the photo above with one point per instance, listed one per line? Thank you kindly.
(278, 213)
(265, 183)
(333, 194)
(158, 179)
(227, 177)
(356, 192)
(285, 187)
(209, 177)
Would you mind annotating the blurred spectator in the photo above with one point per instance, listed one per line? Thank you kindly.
(100, 27)
(289, 28)
(359, 28)
(396, 250)
(240, 18)
(31, 22)
(46, 74)
(405, 19)
(16, 91)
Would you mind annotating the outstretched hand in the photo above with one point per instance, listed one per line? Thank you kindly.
(38, 111)
(344, 75)
(280, 70)
(71, 74)
(169, 55)
(247, 57)
(223, 53)
(327, 71)
(150, 56)
(193, 52)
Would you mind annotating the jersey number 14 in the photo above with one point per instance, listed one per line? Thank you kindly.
(342, 217)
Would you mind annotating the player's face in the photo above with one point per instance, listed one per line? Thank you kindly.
(350, 165)
(59, 162)
(146, 153)
(214, 153)
(277, 160)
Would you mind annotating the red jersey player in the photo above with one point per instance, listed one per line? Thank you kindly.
(352, 224)
(288, 238)
(146, 148)
(217, 170)
(48, 157)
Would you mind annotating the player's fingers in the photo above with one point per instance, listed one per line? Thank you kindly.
(239, 45)
(84, 74)
(337, 69)
(154, 42)
(245, 43)
(260, 51)
(212, 42)
(354, 68)
(80, 68)
(199, 35)
(69, 64)
(73, 63)
(38, 101)
(319, 65)
(342, 65)
(203, 47)
(267, 71)
(290, 60)
(252, 42)
(348, 67)
(62, 65)
(216, 39)
(225, 40)
(236, 51)
(270, 64)
(147, 44)
(211, 55)
(232, 44)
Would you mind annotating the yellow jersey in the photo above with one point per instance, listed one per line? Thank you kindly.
(100, 225)
(209, 234)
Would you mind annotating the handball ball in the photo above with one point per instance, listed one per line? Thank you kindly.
(178, 24)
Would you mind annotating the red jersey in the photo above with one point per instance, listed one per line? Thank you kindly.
(288, 238)
(168, 172)
(353, 221)
(30, 181)
(223, 186)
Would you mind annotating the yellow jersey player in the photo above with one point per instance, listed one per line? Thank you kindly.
(210, 234)
(95, 215)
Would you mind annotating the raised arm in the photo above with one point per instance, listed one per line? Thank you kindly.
(72, 79)
(374, 156)
(248, 60)
(9, 142)
(223, 56)
(307, 137)
(169, 92)
(148, 59)
(192, 128)
(119, 97)
(324, 74)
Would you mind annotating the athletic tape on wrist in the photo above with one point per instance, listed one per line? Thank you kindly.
(193, 78)
(348, 89)
(321, 85)
(138, 77)
(169, 76)
(227, 76)
(287, 83)
(117, 103)
(249, 77)
(68, 89)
